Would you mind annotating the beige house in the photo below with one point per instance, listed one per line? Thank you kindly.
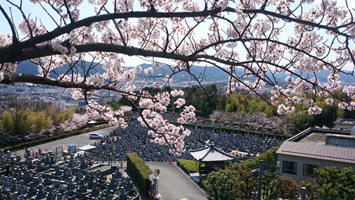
(315, 148)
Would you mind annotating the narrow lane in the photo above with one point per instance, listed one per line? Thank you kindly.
(174, 184)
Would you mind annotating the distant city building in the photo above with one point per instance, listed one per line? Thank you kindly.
(315, 148)
(81, 105)
(60, 104)
(110, 99)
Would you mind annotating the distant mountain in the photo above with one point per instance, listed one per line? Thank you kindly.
(30, 68)
(27, 67)
(209, 74)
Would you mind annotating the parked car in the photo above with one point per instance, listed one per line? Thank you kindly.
(96, 136)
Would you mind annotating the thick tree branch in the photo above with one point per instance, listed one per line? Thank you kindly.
(90, 20)
(46, 50)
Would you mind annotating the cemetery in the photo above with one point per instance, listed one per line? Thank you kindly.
(93, 173)
(45, 176)
(135, 139)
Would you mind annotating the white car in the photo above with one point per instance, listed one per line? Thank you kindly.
(95, 136)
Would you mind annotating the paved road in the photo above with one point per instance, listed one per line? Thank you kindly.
(78, 140)
(174, 184)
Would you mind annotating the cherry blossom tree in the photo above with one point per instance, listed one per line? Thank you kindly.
(262, 37)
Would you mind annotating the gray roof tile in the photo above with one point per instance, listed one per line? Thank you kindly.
(322, 152)
(210, 154)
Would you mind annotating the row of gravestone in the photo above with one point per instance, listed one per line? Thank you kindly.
(135, 139)
(75, 178)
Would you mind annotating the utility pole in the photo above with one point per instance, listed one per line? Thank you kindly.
(258, 173)
(261, 171)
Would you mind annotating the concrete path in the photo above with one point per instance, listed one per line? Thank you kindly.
(174, 184)
(78, 140)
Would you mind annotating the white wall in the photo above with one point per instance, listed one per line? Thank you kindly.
(300, 161)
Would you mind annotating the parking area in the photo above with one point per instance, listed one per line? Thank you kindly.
(77, 140)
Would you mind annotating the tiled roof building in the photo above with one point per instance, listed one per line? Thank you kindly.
(212, 157)
(315, 148)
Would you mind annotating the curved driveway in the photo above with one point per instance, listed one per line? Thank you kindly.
(174, 184)
(78, 140)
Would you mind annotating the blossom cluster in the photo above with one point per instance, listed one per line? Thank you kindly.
(315, 110)
(175, 93)
(94, 111)
(163, 132)
(188, 114)
(261, 43)
(7, 68)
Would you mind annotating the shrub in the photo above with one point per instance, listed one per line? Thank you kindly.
(222, 184)
(139, 170)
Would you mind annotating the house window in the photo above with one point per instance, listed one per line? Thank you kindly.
(308, 170)
(289, 167)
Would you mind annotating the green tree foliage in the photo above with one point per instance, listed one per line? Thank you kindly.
(204, 100)
(221, 102)
(23, 117)
(286, 187)
(311, 188)
(3, 136)
(57, 116)
(232, 104)
(247, 182)
(115, 105)
(241, 174)
(336, 183)
(37, 120)
(249, 104)
(299, 121)
(269, 183)
(7, 122)
(222, 185)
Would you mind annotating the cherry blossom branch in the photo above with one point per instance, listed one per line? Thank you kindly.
(49, 14)
(300, 21)
(68, 11)
(145, 121)
(19, 7)
(36, 79)
(14, 35)
(90, 20)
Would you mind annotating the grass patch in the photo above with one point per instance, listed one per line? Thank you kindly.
(189, 166)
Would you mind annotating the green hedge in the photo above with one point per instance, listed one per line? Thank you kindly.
(51, 138)
(139, 170)
(189, 166)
